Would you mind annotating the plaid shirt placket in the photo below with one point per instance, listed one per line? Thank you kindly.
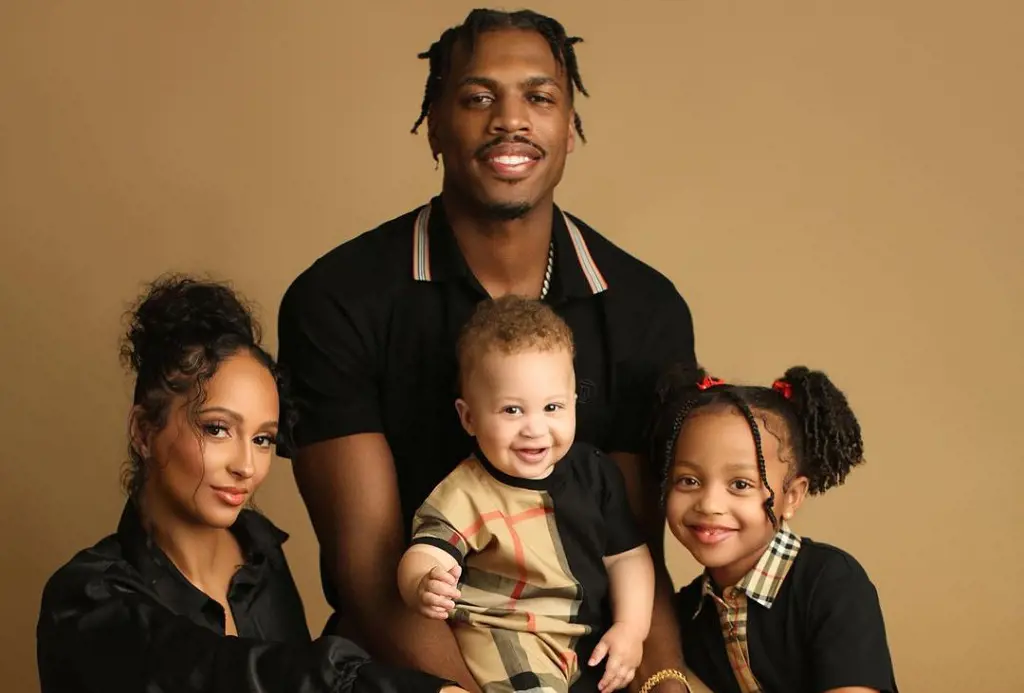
(761, 584)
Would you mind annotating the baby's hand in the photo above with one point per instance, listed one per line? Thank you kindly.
(625, 649)
(438, 591)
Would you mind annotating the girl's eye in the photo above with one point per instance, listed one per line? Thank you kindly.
(687, 482)
(741, 485)
(511, 410)
(554, 406)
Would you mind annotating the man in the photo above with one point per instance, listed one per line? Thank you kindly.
(368, 331)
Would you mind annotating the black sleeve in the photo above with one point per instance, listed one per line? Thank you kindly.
(327, 350)
(621, 531)
(666, 340)
(106, 635)
(846, 634)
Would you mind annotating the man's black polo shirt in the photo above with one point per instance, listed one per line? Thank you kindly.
(367, 335)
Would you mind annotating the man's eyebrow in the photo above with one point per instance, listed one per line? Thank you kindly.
(492, 84)
(479, 82)
(542, 81)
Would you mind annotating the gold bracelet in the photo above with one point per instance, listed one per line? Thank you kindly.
(665, 675)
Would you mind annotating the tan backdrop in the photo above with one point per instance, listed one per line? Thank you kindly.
(832, 183)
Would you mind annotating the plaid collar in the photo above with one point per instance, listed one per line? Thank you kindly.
(763, 582)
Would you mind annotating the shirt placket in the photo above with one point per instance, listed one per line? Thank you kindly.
(732, 613)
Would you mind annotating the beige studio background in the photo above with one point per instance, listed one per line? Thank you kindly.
(837, 183)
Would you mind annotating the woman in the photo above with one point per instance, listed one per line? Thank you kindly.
(193, 592)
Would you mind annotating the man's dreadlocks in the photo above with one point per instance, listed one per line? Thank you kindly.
(480, 21)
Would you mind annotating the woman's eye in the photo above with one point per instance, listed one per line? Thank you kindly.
(215, 430)
(264, 441)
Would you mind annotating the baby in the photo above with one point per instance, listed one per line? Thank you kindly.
(524, 544)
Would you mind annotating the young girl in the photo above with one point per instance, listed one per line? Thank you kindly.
(773, 611)
(193, 592)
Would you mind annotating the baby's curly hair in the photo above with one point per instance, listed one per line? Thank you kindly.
(511, 325)
(179, 332)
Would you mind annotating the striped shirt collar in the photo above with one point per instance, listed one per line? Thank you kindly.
(434, 251)
(763, 582)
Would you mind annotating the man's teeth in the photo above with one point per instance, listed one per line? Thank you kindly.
(511, 160)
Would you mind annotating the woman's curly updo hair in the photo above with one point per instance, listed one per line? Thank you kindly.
(179, 332)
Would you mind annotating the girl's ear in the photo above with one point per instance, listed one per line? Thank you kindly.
(793, 497)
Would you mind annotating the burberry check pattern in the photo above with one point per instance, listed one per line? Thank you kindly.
(761, 585)
(519, 599)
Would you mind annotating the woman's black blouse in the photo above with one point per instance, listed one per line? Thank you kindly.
(120, 618)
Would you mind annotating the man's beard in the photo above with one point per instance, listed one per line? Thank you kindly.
(507, 211)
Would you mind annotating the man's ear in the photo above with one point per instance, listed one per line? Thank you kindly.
(570, 143)
(465, 417)
(432, 138)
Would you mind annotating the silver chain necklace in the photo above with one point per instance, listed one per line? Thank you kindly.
(547, 272)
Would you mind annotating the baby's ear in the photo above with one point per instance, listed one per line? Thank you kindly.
(465, 417)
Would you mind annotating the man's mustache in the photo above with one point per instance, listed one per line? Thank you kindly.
(481, 153)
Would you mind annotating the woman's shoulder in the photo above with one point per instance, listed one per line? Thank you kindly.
(90, 575)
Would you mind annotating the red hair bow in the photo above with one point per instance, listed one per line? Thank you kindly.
(783, 388)
(709, 382)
